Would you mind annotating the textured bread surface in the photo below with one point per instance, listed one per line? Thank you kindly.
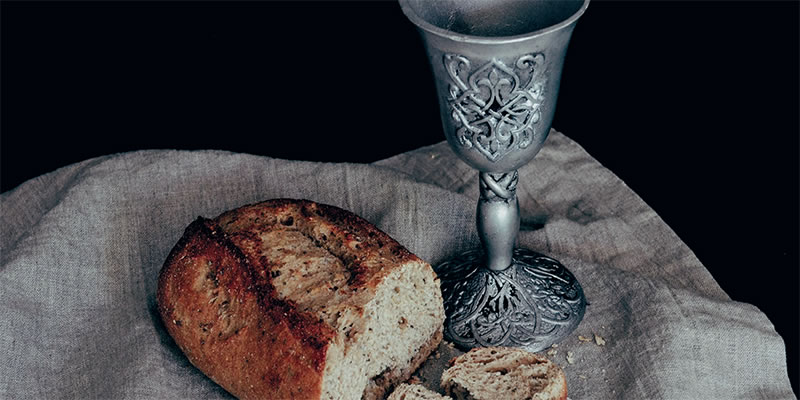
(291, 299)
(489, 373)
(408, 391)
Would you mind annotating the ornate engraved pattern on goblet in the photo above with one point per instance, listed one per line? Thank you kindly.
(532, 304)
(495, 107)
(498, 187)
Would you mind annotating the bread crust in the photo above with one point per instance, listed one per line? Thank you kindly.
(217, 299)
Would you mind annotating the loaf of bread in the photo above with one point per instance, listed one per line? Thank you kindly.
(290, 299)
(407, 391)
(490, 373)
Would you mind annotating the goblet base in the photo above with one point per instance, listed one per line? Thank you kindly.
(532, 304)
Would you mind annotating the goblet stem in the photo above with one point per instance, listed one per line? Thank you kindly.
(505, 296)
(498, 218)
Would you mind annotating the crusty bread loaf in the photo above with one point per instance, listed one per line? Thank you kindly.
(407, 391)
(290, 299)
(489, 373)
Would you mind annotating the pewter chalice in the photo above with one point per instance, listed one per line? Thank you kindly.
(497, 66)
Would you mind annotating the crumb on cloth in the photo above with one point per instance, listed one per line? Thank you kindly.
(599, 340)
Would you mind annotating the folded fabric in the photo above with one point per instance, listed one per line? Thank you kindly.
(81, 247)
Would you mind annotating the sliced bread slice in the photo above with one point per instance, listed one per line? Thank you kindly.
(490, 373)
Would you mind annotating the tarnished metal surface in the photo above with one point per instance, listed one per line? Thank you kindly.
(497, 67)
(531, 304)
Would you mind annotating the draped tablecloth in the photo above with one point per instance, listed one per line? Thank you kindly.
(82, 247)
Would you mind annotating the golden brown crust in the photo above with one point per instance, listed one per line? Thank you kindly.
(351, 238)
(217, 299)
(217, 317)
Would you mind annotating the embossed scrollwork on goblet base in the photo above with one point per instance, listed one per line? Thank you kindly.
(532, 304)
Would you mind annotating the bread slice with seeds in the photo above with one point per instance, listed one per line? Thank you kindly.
(489, 373)
(291, 299)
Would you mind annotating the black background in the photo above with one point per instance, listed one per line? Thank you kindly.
(694, 105)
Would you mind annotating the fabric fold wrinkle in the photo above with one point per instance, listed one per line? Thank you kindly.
(78, 269)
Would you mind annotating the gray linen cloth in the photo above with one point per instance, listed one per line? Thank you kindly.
(82, 247)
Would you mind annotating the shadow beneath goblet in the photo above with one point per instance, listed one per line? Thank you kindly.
(533, 223)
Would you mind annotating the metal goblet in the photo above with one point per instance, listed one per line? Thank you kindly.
(497, 66)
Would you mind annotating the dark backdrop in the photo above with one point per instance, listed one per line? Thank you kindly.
(694, 105)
